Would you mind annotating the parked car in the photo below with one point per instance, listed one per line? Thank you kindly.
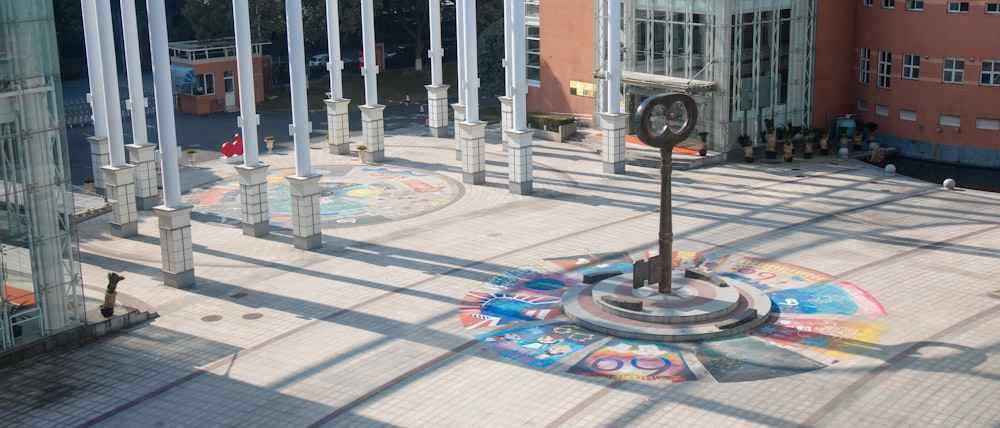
(319, 60)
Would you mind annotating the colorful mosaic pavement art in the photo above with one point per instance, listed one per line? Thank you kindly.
(816, 321)
(350, 195)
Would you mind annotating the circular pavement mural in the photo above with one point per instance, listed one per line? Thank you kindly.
(349, 195)
(817, 321)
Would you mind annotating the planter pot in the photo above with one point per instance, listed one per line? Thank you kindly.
(270, 145)
(365, 156)
(748, 159)
(192, 158)
(771, 154)
(702, 152)
(788, 158)
(107, 312)
(824, 152)
(90, 187)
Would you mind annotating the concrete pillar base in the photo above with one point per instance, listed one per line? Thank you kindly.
(253, 200)
(437, 110)
(473, 139)
(459, 111)
(176, 246)
(339, 131)
(120, 183)
(143, 156)
(373, 128)
(614, 168)
(519, 161)
(306, 230)
(506, 119)
(100, 155)
(613, 141)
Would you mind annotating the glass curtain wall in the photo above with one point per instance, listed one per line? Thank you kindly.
(41, 290)
(759, 54)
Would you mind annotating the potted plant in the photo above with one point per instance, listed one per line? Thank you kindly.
(807, 143)
(192, 156)
(110, 294)
(871, 127)
(89, 183)
(842, 131)
(858, 126)
(703, 148)
(877, 156)
(362, 153)
(824, 141)
(747, 144)
(771, 150)
(269, 142)
(769, 138)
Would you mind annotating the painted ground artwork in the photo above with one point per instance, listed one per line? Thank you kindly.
(816, 321)
(350, 195)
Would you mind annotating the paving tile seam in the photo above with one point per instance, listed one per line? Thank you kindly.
(854, 393)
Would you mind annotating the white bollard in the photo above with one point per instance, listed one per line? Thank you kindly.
(842, 153)
(949, 184)
(890, 170)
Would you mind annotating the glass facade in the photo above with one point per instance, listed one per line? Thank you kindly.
(41, 286)
(758, 54)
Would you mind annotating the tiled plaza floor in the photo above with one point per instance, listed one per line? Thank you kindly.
(366, 331)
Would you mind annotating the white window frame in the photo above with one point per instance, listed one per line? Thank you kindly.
(911, 66)
(862, 105)
(988, 124)
(958, 7)
(915, 5)
(884, 69)
(907, 115)
(993, 8)
(868, 3)
(864, 66)
(950, 120)
(533, 67)
(882, 110)
(888, 4)
(954, 70)
(991, 75)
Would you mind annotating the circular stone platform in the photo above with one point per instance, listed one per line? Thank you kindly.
(695, 309)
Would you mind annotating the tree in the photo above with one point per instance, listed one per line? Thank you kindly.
(491, 52)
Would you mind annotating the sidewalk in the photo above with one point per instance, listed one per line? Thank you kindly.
(376, 327)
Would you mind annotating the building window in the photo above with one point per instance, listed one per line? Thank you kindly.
(908, 115)
(911, 66)
(990, 124)
(533, 43)
(884, 68)
(888, 4)
(993, 8)
(864, 66)
(954, 70)
(949, 120)
(958, 7)
(862, 105)
(881, 110)
(990, 75)
(867, 3)
(204, 84)
(914, 5)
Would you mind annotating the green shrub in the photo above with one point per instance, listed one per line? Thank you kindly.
(548, 121)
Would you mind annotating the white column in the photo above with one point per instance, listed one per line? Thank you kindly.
(253, 174)
(98, 106)
(337, 125)
(459, 107)
(519, 144)
(120, 189)
(471, 63)
(141, 150)
(372, 125)
(304, 184)
(613, 121)
(437, 92)
(174, 218)
(508, 70)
